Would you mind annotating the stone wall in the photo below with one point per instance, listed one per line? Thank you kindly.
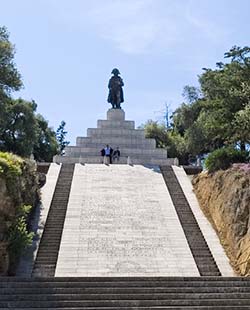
(225, 199)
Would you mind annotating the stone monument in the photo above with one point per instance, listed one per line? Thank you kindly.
(116, 131)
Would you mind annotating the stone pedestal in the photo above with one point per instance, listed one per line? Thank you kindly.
(117, 132)
(115, 115)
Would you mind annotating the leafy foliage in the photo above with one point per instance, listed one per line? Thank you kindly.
(20, 128)
(20, 179)
(217, 115)
(168, 139)
(222, 158)
(18, 236)
(45, 146)
(61, 136)
(10, 164)
(156, 131)
(10, 78)
(21, 131)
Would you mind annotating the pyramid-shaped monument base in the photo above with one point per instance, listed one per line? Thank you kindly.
(117, 132)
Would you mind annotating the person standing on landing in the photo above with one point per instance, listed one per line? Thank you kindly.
(108, 152)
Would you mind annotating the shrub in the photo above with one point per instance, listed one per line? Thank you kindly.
(223, 158)
(19, 181)
(18, 236)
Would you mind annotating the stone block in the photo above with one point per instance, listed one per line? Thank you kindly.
(116, 132)
(116, 115)
(116, 124)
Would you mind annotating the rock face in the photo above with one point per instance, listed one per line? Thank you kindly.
(225, 198)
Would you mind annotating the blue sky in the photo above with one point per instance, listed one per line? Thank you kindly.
(66, 49)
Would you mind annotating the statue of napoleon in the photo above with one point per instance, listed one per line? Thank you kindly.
(115, 96)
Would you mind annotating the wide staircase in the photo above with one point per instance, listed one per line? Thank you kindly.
(43, 290)
(125, 293)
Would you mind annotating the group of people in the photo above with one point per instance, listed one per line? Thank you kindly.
(112, 155)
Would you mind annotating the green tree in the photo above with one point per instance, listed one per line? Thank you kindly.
(45, 146)
(167, 138)
(10, 78)
(185, 116)
(242, 126)
(21, 130)
(217, 115)
(18, 129)
(156, 131)
(226, 90)
(191, 93)
(61, 137)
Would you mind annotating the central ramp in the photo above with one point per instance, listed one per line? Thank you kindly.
(121, 221)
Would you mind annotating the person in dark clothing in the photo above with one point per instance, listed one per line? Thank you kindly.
(116, 154)
(102, 154)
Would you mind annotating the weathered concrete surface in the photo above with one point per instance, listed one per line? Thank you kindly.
(121, 222)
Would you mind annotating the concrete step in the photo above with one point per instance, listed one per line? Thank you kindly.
(115, 132)
(50, 242)
(115, 124)
(124, 296)
(157, 307)
(197, 243)
(126, 290)
(118, 304)
(77, 151)
(97, 159)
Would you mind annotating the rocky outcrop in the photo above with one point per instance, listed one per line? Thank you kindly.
(224, 197)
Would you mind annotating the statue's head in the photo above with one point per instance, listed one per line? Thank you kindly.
(115, 71)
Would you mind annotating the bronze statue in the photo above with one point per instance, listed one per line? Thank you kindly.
(115, 96)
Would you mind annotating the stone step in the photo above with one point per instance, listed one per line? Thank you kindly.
(195, 238)
(148, 308)
(125, 290)
(115, 132)
(141, 160)
(124, 296)
(51, 238)
(114, 141)
(115, 124)
(76, 151)
(95, 304)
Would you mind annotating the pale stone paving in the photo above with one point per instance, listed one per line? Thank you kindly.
(121, 222)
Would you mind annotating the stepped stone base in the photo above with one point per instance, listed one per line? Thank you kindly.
(117, 132)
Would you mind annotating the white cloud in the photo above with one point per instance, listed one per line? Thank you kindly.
(139, 26)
